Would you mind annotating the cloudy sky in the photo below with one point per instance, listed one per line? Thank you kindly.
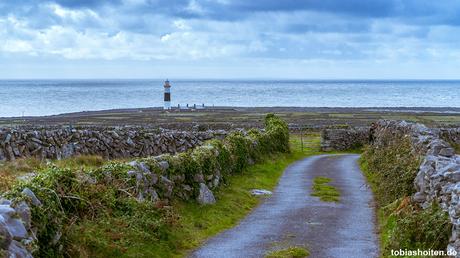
(291, 39)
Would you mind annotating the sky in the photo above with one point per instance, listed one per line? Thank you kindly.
(232, 39)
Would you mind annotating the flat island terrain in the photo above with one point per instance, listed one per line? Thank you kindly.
(246, 117)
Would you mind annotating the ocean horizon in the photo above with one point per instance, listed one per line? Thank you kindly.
(50, 97)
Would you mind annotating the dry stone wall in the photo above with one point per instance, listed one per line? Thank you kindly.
(438, 178)
(121, 142)
(451, 135)
(344, 139)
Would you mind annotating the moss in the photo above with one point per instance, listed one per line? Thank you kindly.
(326, 193)
(291, 252)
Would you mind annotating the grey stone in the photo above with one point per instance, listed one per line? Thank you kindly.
(68, 150)
(7, 211)
(143, 167)
(153, 195)
(164, 165)
(16, 228)
(132, 173)
(216, 181)
(260, 192)
(16, 250)
(447, 152)
(4, 201)
(35, 201)
(5, 236)
(23, 210)
(419, 197)
(167, 186)
(133, 163)
(453, 176)
(153, 178)
(205, 196)
(27, 177)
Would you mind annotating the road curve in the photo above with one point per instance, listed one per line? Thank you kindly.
(292, 217)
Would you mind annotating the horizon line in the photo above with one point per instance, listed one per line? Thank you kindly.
(238, 79)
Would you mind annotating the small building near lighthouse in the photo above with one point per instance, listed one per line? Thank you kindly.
(167, 95)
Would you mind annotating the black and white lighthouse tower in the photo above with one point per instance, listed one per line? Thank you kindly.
(167, 95)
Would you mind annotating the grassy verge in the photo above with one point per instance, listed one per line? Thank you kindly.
(176, 229)
(325, 192)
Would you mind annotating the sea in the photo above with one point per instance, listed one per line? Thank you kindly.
(49, 97)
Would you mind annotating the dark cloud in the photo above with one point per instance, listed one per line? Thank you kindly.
(422, 12)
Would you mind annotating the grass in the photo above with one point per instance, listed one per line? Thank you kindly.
(10, 170)
(325, 192)
(177, 228)
(290, 252)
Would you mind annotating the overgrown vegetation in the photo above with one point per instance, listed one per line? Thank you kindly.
(391, 169)
(291, 252)
(325, 192)
(90, 210)
(407, 226)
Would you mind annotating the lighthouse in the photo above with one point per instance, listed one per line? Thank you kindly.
(167, 98)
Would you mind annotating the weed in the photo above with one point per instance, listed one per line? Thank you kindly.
(290, 252)
(326, 193)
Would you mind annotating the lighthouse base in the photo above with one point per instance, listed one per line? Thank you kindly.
(167, 105)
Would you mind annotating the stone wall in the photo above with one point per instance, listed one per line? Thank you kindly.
(121, 142)
(344, 139)
(438, 178)
(451, 135)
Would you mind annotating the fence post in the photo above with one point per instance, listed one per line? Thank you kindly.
(301, 139)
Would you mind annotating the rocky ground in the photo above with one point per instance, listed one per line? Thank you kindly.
(233, 117)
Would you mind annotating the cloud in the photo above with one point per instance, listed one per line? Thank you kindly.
(237, 31)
